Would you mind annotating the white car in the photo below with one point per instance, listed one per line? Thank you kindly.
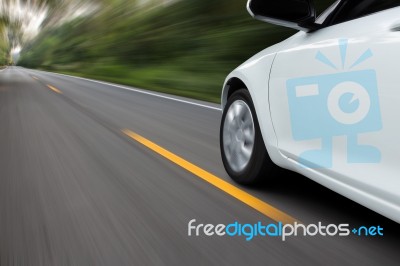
(324, 103)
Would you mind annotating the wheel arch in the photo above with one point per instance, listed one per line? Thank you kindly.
(231, 85)
(238, 80)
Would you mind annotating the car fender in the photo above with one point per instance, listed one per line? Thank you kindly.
(255, 73)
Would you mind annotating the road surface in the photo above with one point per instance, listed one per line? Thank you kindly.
(76, 190)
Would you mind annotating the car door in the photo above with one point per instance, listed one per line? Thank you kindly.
(335, 98)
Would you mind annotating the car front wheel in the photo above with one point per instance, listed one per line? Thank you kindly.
(244, 155)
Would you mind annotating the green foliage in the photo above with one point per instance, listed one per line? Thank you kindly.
(185, 48)
(4, 47)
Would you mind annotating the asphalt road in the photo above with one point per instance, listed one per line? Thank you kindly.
(76, 190)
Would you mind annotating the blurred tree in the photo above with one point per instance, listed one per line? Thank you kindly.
(185, 47)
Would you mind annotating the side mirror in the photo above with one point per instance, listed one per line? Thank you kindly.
(296, 14)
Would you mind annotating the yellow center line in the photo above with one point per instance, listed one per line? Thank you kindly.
(35, 77)
(54, 89)
(257, 204)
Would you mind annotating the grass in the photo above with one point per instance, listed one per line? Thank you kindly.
(204, 86)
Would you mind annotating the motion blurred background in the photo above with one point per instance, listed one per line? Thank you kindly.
(183, 47)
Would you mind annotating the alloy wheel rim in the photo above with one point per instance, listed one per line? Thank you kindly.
(238, 135)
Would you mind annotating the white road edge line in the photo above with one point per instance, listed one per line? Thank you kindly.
(135, 90)
(3, 69)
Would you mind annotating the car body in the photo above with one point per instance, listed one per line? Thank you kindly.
(326, 103)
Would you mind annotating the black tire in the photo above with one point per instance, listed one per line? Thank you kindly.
(259, 165)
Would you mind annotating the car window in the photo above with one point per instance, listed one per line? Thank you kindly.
(352, 9)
